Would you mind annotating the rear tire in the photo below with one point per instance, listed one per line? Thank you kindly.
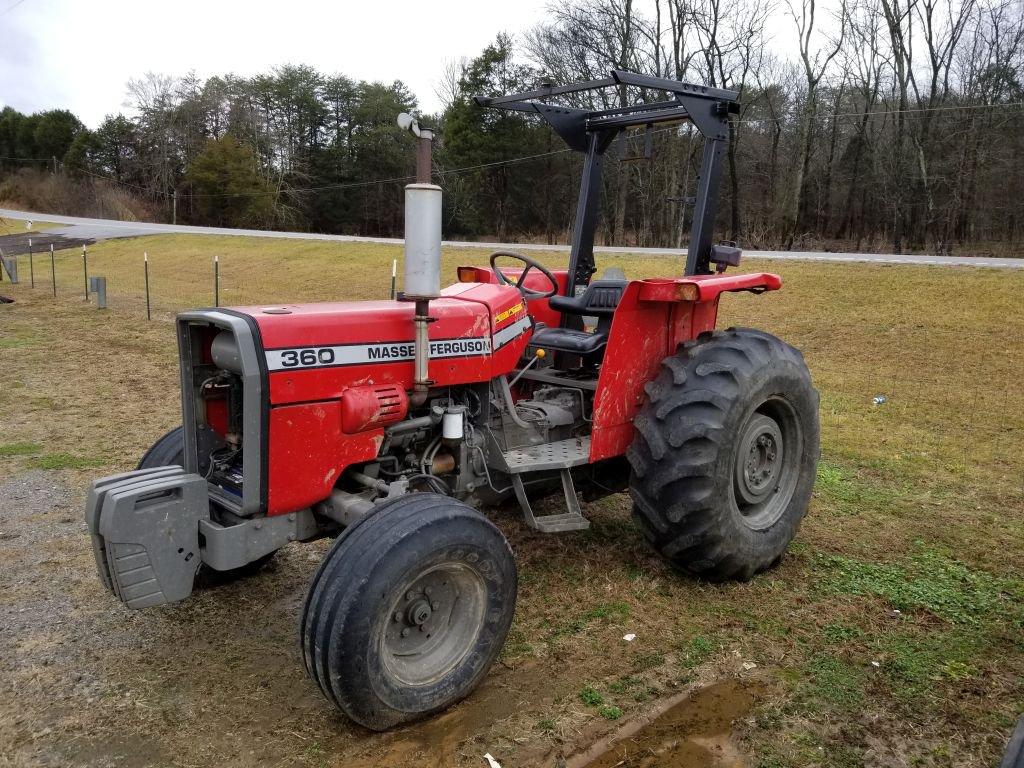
(408, 610)
(726, 453)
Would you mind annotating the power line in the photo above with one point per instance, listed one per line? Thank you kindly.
(909, 110)
(392, 180)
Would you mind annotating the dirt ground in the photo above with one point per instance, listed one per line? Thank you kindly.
(891, 635)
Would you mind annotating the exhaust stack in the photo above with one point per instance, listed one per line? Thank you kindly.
(422, 253)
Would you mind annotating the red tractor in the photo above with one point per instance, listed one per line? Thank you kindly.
(387, 421)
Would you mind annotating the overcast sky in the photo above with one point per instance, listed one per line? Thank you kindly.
(78, 54)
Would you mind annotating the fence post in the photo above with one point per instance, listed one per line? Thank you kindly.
(53, 272)
(394, 273)
(216, 281)
(31, 265)
(10, 265)
(85, 272)
(145, 261)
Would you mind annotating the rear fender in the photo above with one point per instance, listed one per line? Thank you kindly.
(652, 319)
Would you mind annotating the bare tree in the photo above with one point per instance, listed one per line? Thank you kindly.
(817, 50)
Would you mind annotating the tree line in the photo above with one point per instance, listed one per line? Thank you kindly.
(889, 125)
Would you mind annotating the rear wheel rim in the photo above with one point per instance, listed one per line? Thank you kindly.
(766, 463)
(434, 623)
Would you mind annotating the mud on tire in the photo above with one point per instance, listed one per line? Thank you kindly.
(408, 610)
(725, 453)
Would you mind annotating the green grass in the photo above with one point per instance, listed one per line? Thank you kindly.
(610, 712)
(17, 336)
(590, 696)
(916, 665)
(19, 449)
(845, 493)
(841, 633)
(928, 580)
(616, 611)
(697, 650)
(836, 682)
(64, 461)
(622, 685)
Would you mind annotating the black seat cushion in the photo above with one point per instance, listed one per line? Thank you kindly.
(568, 340)
(600, 299)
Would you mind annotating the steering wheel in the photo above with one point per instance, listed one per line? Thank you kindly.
(529, 263)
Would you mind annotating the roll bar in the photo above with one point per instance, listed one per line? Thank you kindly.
(592, 132)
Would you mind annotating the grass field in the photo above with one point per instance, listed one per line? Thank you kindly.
(890, 635)
(17, 226)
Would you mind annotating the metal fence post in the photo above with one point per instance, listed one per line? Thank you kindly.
(31, 265)
(394, 272)
(216, 281)
(85, 272)
(145, 261)
(99, 287)
(10, 265)
(53, 272)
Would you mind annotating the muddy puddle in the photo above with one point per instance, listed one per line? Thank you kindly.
(694, 731)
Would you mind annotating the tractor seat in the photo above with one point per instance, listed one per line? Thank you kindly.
(599, 300)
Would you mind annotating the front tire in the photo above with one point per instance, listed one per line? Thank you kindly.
(726, 453)
(168, 451)
(409, 609)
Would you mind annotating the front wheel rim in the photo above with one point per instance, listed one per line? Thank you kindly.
(766, 463)
(434, 623)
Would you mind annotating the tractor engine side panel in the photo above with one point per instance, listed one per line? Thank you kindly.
(308, 452)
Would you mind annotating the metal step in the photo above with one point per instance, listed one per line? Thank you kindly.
(558, 455)
(572, 520)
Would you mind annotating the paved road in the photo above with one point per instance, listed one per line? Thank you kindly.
(104, 229)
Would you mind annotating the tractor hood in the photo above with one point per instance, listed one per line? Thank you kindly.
(316, 351)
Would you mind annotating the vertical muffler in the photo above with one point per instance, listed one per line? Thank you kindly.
(422, 255)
